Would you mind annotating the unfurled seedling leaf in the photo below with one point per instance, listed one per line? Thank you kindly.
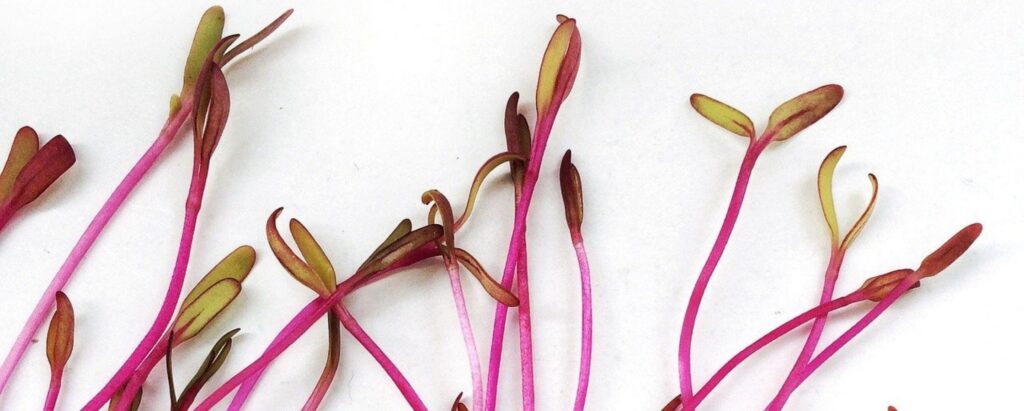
(458, 405)
(313, 254)
(950, 251)
(517, 138)
(291, 261)
(214, 360)
(800, 112)
(207, 133)
(60, 339)
(42, 170)
(493, 288)
(572, 192)
(208, 34)
(256, 38)
(558, 69)
(724, 115)
(213, 294)
(402, 247)
(24, 147)
(825, 174)
(403, 228)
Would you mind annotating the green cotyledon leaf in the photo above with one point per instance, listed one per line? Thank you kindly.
(24, 147)
(236, 265)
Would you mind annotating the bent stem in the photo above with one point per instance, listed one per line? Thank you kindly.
(331, 368)
(754, 150)
(88, 238)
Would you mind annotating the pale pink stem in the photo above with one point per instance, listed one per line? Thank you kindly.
(54, 390)
(88, 238)
(587, 323)
(192, 207)
(857, 328)
(785, 328)
(467, 333)
(731, 215)
(817, 328)
(138, 378)
(498, 334)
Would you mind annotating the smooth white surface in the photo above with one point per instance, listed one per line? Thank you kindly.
(355, 108)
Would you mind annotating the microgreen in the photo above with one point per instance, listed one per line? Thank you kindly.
(213, 362)
(572, 197)
(60, 339)
(785, 121)
(182, 107)
(30, 170)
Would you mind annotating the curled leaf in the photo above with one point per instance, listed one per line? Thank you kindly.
(828, 207)
(291, 262)
(209, 135)
(863, 220)
(445, 208)
(558, 68)
(46, 166)
(572, 192)
(492, 286)
(60, 338)
(879, 286)
(208, 33)
(478, 181)
(256, 38)
(213, 362)
(517, 137)
(196, 316)
(236, 265)
(314, 255)
(801, 111)
(723, 115)
(24, 147)
(950, 251)
(403, 228)
(458, 405)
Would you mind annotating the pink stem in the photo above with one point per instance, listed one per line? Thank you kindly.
(142, 372)
(467, 333)
(498, 334)
(817, 328)
(785, 328)
(731, 215)
(857, 328)
(164, 316)
(586, 344)
(51, 394)
(88, 238)
(525, 333)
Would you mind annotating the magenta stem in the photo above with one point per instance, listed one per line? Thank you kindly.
(732, 213)
(54, 391)
(587, 334)
(88, 238)
(192, 206)
(817, 328)
(785, 328)
(138, 377)
(498, 334)
(857, 328)
(467, 333)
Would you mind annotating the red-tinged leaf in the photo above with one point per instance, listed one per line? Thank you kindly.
(879, 286)
(478, 182)
(201, 94)
(60, 338)
(492, 286)
(213, 362)
(291, 262)
(891, 408)
(314, 255)
(24, 147)
(403, 228)
(401, 248)
(558, 68)
(446, 214)
(517, 137)
(723, 115)
(52, 160)
(801, 111)
(673, 404)
(828, 206)
(237, 265)
(458, 405)
(950, 251)
(208, 33)
(864, 216)
(256, 38)
(572, 192)
(217, 117)
(196, 316)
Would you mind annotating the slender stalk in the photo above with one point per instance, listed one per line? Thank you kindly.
(817, 328)
(754, 150)
(143, 370)
(54, 390)
(331, 368)
(164, 316)
(88, 238)
(467, 333)
(587, 333)
(771, 336)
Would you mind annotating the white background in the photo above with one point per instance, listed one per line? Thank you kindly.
(355, 108)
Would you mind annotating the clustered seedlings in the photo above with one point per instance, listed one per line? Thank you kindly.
(205, 102)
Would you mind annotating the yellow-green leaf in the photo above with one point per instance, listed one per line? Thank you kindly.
(722, 114)
(291, 261)
(478, 181)
(235, 265)
(828, 207)
(401, 248)
(313, 254)
(403, 228)
(208, 33)
(194, 317)
(24, 147)
(60, 338)
(801, 111)
(558, 68)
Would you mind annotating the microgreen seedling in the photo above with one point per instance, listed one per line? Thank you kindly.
(572, 197)
(60, 340)
(30, 170)
(208, 34)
